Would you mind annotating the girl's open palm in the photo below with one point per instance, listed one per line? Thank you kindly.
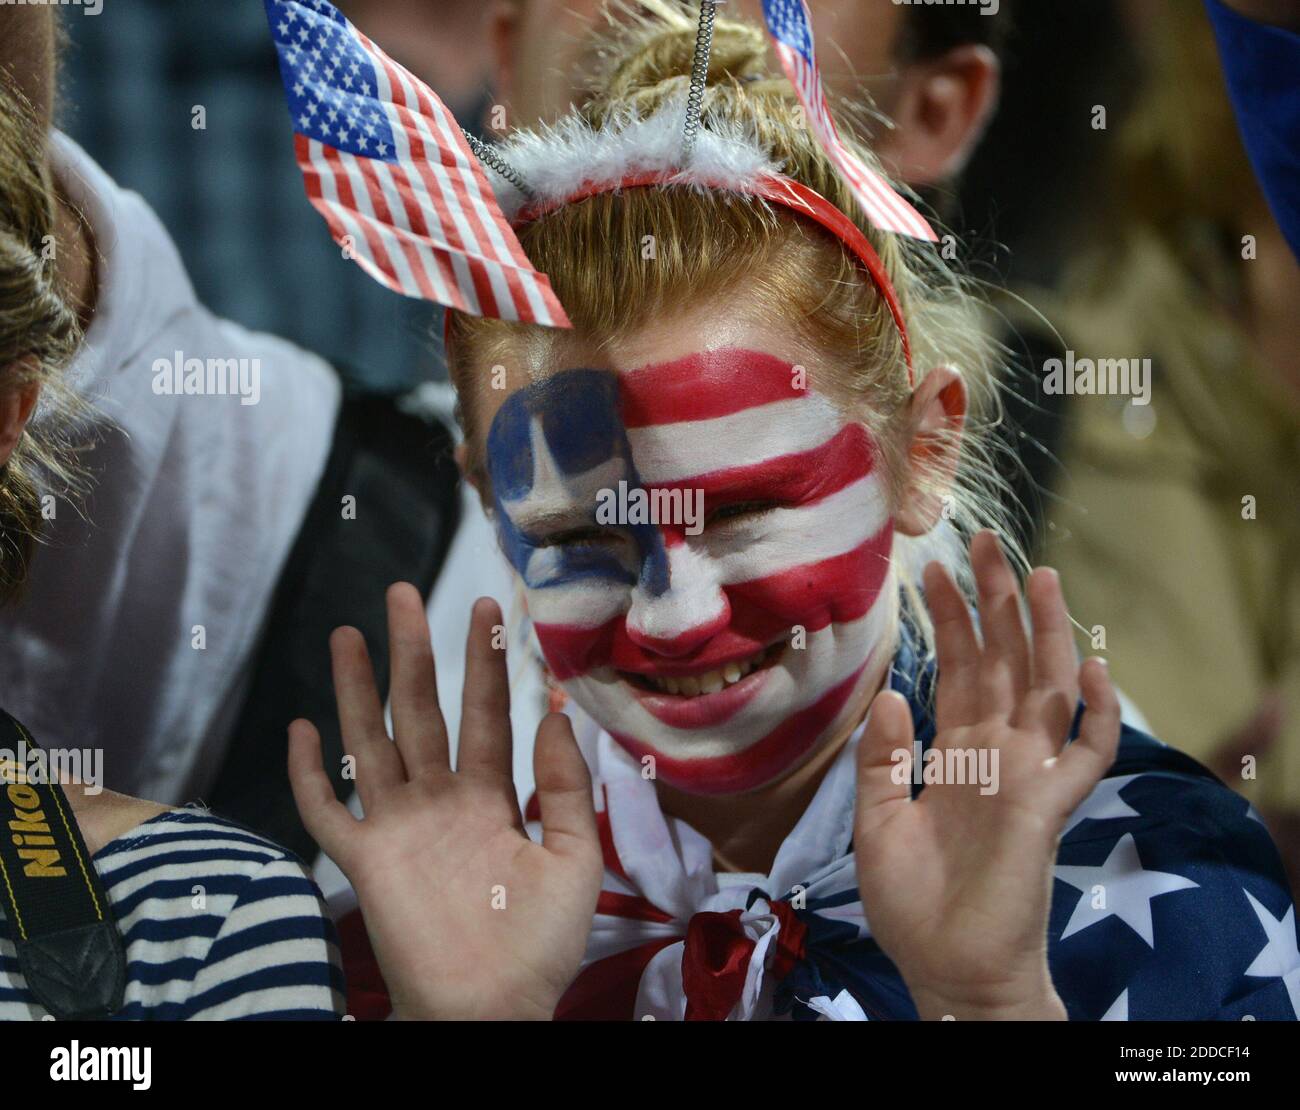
(957, 884)
(468, 917)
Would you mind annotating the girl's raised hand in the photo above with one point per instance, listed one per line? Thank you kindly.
(957, 884)
(468, 917)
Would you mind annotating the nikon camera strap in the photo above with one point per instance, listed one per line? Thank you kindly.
(69, 948)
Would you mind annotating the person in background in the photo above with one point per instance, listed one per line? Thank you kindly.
(1175, 525)
(179, 620)
(257, 944)
(196, 499)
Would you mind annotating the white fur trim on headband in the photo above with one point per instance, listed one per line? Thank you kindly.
(557, 161)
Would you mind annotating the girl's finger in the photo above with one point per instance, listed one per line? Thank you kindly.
(323, 815)
(997, 698)
(361, 717)
(1001, 622)
(1056, 663)
(485, 741)
(957, 647)
(418, 727)
(884, 763)
(564, 792)
(1083, 763)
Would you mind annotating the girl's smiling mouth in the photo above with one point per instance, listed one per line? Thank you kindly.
(697, 682)
(703, 698)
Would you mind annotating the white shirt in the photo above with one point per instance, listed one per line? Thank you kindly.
(140, 621)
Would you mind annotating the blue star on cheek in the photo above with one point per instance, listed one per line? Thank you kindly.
(551, 448)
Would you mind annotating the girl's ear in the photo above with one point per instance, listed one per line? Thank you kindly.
(15, 410)
(936, 417)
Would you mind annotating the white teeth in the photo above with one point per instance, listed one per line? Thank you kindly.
(711, 683)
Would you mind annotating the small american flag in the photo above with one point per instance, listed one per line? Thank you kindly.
(790, 24)
(387, 165)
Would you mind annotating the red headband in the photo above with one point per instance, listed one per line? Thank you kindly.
(775, 188)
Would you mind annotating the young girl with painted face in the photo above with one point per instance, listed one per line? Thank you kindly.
(819, 790)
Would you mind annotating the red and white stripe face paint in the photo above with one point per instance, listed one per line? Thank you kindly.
(726, 655)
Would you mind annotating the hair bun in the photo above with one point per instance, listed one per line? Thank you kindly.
(646, 68)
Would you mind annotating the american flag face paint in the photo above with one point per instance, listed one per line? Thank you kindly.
(726, 655)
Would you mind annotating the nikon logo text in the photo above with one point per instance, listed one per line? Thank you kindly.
(32, 835)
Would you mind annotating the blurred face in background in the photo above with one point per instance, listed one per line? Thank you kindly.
(938, 106)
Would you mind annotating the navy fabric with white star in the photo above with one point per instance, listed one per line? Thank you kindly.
(1170, 901)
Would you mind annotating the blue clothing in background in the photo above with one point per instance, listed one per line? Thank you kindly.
(1262, 67)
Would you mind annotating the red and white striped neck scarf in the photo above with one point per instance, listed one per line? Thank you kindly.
(674, 940)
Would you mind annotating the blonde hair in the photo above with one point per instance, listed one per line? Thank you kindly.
(710, 243)
(38, 336)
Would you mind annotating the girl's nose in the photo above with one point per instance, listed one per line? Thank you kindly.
(677, 621)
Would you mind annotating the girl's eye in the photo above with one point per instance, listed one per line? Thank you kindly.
(741, 509)
(581, 537)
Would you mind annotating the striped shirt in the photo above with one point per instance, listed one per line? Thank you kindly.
(218, 924)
